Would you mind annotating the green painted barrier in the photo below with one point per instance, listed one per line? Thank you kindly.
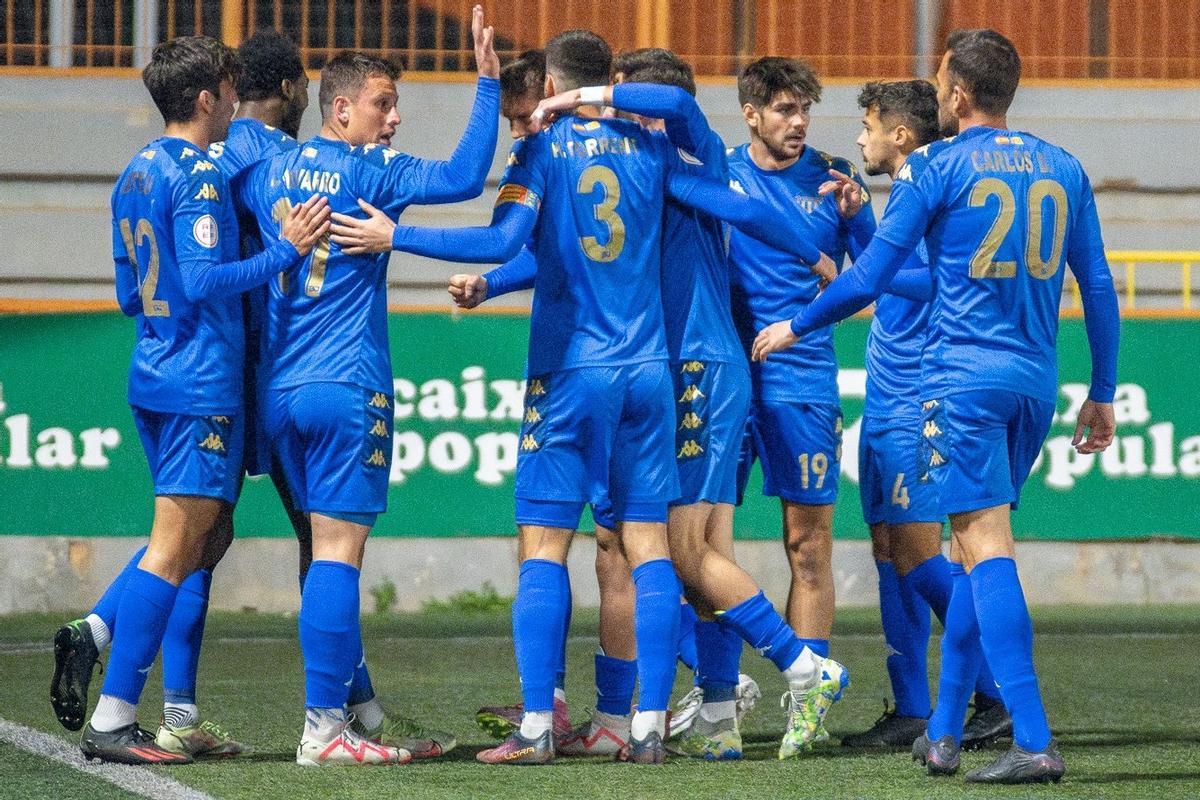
(71, 463)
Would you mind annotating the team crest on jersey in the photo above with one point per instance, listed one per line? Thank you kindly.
(692, 366)
(809, 204)
(528, 443)
(691, 448)
(691, 394)
(204, 231)
(690, 421)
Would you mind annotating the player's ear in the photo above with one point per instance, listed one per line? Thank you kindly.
(287, 89)
(750, 114)
(548, 88)
(341, 109)
(206, 101)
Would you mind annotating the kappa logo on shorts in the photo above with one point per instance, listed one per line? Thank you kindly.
(931, 429)
(692, 366)
(536, 389)
(691, 394)
(379, 429)
(377, 459)
(220, 420)
(212, 442)
(928, 404)
(690, 421)
(379, 400)
(935, 459)
(691, 448)
(528, 443)
(532, 416)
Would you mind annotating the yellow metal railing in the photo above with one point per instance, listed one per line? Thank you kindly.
(1125, 264)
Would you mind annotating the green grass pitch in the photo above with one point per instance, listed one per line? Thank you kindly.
(1120, 685)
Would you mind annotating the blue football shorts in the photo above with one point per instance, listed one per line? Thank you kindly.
(597, 434)
(978, 446)
(334, 445)
(712, 400)
(198, 456)
(889, 473)
(800, 446)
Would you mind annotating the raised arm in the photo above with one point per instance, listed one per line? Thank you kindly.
(687, 127)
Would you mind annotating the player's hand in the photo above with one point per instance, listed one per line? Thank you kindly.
(1099, 422)
(468, 291)
(773, 338)
(486, 60)
(825, 270)
(846, 190)
(306, 223)
(550, 108)
(357, 236)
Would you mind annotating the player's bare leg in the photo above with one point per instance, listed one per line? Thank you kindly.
(332, 587)
(808, 540)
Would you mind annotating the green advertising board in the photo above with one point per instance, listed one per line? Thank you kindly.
(71, 463)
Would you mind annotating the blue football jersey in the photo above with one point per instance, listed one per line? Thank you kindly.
(769, 285)
(248, 142)
(898, 333)
(172, 206)
(695, 271)
(999, 210)
(597, 297)
(327, 319)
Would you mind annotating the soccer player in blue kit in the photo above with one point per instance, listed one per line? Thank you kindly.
(795, 426)
(328, 399)
(901, 510)
(999, 210)
(175, 249)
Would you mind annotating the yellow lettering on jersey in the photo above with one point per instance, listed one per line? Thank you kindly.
(692, 366)
(931, 429)
(216, 150)
(203, 166)
(590, 146)
(379, 428)
(213, 442)
(535, 388)
(690, 421)
(377, 459)
(379, 400)
(690, 394)
(532, 415)
(319, 181)
(690, 449)
(207, 192)
(528, 443)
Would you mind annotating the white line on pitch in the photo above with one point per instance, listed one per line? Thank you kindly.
(138, 780)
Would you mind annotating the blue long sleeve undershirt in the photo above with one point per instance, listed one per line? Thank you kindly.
(128, 297)
(687, 127)
(913, 283)
(513, 275)
(1102, 321)
(203, 279)
(462, 176)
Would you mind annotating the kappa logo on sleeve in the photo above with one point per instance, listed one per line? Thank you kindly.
(204, 231)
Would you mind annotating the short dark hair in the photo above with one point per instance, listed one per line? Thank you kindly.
(179, 70)
(268, 59)
(761, 80)
(986, 65)
(578, 58)
(655, 65)
(346, 74)
(524, 74)
(909, 103)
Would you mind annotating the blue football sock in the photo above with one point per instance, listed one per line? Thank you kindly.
(330, 637)
(361, 689)
(539, 621)
(818, 646)
(564, 589)
(905, 617)
(141, 622)
(185, 632)
(687, 636)
(932, 580)
(106, 606)
(718, 654)
(1007, 635)
(656, 628)
(961, 658)
(761, 627)
(615, 681)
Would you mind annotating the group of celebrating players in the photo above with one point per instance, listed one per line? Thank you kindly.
(681, 328)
